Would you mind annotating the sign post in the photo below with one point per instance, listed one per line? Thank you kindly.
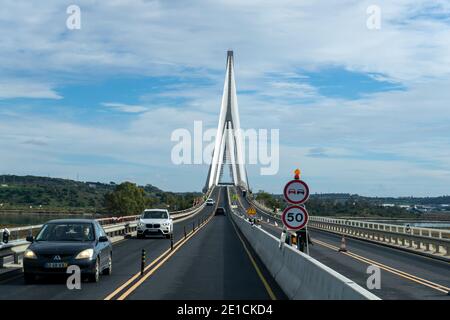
(295, 217)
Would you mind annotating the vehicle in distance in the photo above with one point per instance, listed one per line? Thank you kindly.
(220, 211)
(210, 202)
(65, 242)
(155, 222)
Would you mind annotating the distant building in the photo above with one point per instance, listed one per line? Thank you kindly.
(388, 205)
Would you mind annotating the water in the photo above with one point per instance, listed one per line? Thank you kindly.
(26, 219)
(419, 224)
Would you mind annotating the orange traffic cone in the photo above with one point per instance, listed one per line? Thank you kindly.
(343, 247)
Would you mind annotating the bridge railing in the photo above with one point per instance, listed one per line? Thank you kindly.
(431, 241)
(434, 242)
(113, 226)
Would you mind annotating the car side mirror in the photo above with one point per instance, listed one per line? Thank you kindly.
(29, 238)
(103, 239)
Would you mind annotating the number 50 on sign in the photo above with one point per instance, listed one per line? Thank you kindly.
(295, 217)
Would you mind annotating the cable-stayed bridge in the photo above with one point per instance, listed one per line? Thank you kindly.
(229, 257)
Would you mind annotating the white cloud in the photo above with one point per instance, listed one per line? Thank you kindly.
(13, 88)
(154, 38)
(127, 108)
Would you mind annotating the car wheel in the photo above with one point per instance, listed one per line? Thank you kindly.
(94, 277)
(29, 278)
(167, 236)
(139, 236)
(108, 269)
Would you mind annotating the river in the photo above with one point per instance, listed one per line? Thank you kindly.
(24, 219)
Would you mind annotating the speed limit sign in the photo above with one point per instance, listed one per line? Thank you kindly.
(295, 217)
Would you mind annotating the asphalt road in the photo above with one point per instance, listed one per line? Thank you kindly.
(211, 263)
(404, 275)
(126, 263)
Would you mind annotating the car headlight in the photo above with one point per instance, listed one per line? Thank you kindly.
(166, 224)
(85, 254)
(29, 254)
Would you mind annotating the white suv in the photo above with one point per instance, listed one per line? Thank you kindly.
(155, 222)
(210, 202)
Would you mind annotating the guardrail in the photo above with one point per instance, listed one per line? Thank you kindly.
(427, 240)
(299, 275)
(433, 242)
(113, 226)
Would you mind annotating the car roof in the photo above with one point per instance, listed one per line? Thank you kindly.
(155, 210)
(72, 221)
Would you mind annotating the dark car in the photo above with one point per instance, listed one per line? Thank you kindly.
(65, 242)
(220, 211)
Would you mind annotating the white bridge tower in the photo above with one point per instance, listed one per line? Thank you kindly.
(228, 151)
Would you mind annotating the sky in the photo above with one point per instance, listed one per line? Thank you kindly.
(360, 110)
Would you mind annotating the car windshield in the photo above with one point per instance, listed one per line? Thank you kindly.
(158, 214)
(66, 232)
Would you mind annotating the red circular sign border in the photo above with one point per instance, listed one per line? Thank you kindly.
(302, 209)
(296, 202)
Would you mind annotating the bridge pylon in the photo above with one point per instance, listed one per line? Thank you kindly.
(228, 148)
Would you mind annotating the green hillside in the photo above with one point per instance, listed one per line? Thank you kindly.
(32, 193)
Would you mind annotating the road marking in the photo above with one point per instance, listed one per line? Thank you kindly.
(148, 274)
(11, 279)
(159, 261)
(119, 289)
(392, 270)
(252, 260)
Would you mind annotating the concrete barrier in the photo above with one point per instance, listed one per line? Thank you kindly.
(299, 275)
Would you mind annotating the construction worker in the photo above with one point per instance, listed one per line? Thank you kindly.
(302, 235)
(282, 238)
(5, 235)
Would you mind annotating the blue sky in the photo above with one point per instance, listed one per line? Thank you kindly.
(361, 111)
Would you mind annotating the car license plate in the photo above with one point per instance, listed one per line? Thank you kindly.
(56, 265)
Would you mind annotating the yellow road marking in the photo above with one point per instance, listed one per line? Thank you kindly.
(110, 296)
(258, 271)
(392, 270)
(11, 279)
(148, 274)
(177, 245)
